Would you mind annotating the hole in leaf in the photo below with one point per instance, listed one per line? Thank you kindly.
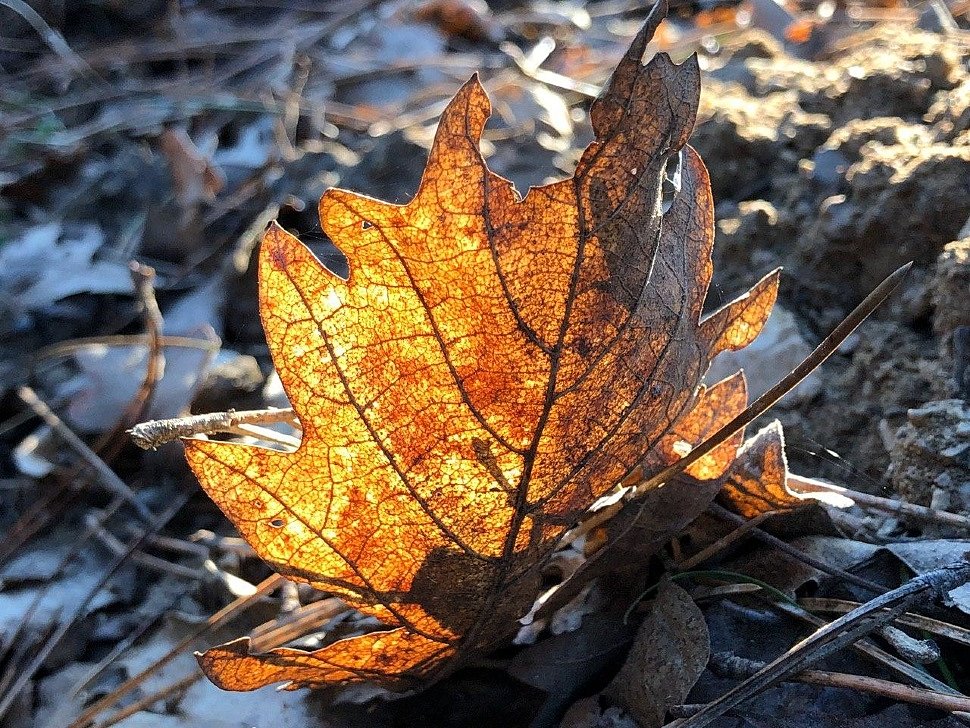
(277, 523)
(672, 180)
(366, 225)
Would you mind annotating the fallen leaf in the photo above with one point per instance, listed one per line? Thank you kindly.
(757, 481)
(563, 664)
(669, 654)
(491, 366)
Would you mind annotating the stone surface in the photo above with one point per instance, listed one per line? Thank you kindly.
(777, 351)
(931, 456)
(951, 292)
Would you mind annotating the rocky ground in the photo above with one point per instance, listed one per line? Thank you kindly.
(841, 171)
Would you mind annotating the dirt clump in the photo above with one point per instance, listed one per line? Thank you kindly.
(950, 112)
(931, 456)
(753, 143)
(845, 432)
(864, 233)
(840, 170)
(885, 72)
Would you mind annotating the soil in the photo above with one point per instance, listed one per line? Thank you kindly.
(840, 171)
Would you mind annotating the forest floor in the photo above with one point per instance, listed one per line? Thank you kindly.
(838, 141)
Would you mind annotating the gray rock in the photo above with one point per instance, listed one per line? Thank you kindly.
(930, 460)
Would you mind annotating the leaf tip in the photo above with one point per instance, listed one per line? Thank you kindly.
(470, 103)
(213, 660)
(639, 45)
(276, 245)
(738, 323)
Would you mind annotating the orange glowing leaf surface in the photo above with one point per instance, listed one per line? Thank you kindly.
(757, 480)
(492, 365)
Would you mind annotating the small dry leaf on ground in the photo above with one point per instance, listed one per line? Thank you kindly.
(669, 654)
(757, 481)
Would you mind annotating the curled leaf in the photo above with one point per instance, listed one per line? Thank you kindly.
(757, 481)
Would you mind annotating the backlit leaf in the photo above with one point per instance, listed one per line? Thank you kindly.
(492, 365)
(757, 481)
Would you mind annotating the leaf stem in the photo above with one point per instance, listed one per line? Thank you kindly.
(149, 435)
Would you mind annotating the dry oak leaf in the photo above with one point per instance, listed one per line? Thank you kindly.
(757, 480)
(492, 365)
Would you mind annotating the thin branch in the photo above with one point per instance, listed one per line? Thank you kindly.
(54, 40)
(910, 619)
(146, 622)
(112, 442)
(833, 637)
(149, 561)
(106, 475)
(867, 649)
(68, 558)
(149, 700)
(297, 623)
(732, 666)
(149, 435)
(265, 434)
(69, 348)
(884, 505)
(220, 618)
(724, 542)
(264, 637)
(798, 554)
(52, 644)
(41, 511)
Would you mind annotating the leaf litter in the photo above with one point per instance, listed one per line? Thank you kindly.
(135, 198)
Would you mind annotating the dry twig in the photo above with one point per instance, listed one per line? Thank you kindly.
(724, 542)
(798, 554)
(67, 625)
(111, 442)
(149, 435)
(220, 618)
(910, 619)
(868, 650)
(54, 40)
(884, 505)
(726, 664)
(833, 637)
(265, 637)
(106, 475)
